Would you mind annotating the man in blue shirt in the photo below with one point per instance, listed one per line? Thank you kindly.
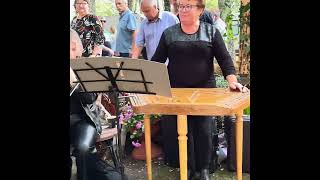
(151, 27)
(126, 29)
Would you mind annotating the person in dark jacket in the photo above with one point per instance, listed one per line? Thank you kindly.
(83, 130)
(190, 47)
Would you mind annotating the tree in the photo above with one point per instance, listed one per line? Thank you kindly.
(105, 8)
(131, 4)
(166, 5)
(244, 55)
(212, 5)
(229, 13)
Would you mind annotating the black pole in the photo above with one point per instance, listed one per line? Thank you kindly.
(115, 94)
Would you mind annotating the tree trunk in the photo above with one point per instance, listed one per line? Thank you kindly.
(244, 55)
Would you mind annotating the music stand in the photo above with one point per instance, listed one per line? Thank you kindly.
(117, 75)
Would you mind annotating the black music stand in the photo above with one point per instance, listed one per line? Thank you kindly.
(108, 75)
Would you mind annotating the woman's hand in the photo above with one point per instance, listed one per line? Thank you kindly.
(111, 52)
(234, 85)
(97, 51)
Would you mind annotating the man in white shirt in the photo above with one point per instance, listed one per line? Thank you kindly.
(151, 27)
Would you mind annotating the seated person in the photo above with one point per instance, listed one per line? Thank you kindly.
(83, 131)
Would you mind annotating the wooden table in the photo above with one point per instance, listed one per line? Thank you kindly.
(192, 101)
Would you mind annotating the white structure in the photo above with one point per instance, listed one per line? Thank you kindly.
(72, 10)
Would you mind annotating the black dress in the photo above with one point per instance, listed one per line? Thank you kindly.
(191, 66)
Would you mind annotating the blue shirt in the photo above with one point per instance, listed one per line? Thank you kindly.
(125, 29)
(150, 32)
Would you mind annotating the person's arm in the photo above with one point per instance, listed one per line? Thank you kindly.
(105, 48)
(161, 53)
(222, 55)
(132, 26)
(234, 85)
(88, 98)
(85, 98)
(133, 45)
(97, 51)
(98, 37)
(225, 62)
(136, 52)
(139, 42)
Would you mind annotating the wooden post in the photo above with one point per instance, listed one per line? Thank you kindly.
(239, 143)
(147, 138)
(183, 153)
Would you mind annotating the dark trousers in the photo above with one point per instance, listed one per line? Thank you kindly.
(200, 145)
(124, 54)
(200, 129)
(83, 136)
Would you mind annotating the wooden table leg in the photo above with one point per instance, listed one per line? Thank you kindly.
(239, 144)
(147, 138)
(182, 131)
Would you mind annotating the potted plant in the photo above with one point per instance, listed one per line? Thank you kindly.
(134, 124)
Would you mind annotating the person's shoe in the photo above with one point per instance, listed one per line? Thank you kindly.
(204, 175)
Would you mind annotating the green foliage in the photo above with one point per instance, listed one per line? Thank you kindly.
(154, 118)
(211, 4)
(105, 8)
(246, 111)
(221, 82)
(229, 33)
(131, 124)
(229, 14)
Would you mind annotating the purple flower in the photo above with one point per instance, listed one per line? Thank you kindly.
(138, 125)
(128, 115)
(130, 108)
(136, 144)
(121, 118)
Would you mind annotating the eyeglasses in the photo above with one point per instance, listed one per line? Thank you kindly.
(81, 4)
(187, 7)
(103, 21)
